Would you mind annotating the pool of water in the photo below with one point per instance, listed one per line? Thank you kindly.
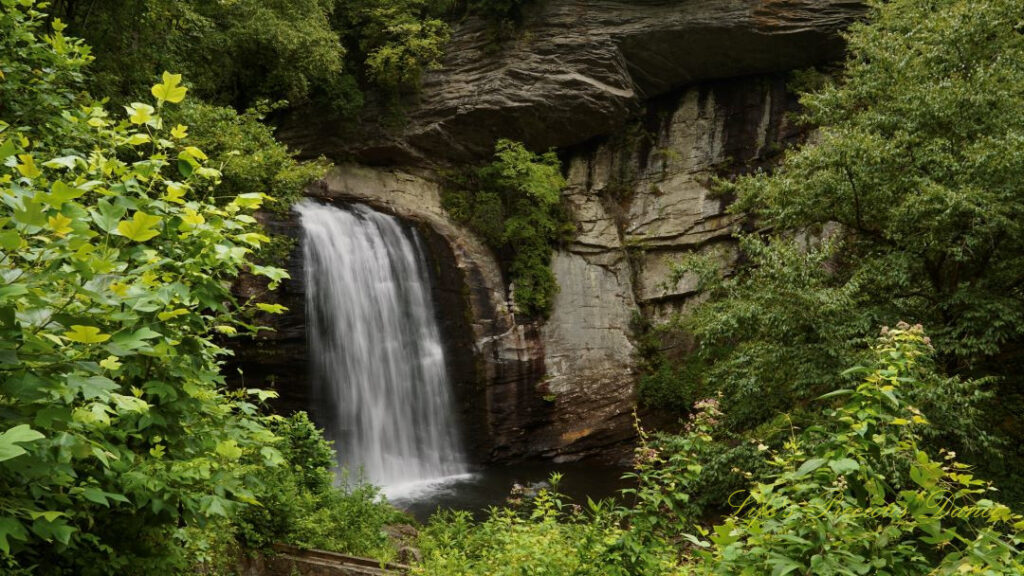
(491, 486)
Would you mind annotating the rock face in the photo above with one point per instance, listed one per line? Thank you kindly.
(649, 101)
(641, 200)
(579, 69)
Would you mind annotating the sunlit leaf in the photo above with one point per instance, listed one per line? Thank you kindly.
(140, 228)
(169, 90)
(86, 334)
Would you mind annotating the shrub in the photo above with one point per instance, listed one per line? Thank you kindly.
(116, 267)
(248, 156)
(862, 497)
(299, 504)
(545, 537)
(394, 41)
(515, 204)
(857, 495)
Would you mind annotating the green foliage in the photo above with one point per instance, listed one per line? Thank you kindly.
(394, 40)
(857, 495)
(514, 204)
(546, 537)
(861, 497)
(299, 504)
(233, 53)
(505, 16)
(119, 441)
(243, 148)
(44, 78)
(243, 52)
(671, 387)
(499, 11)
(908, 204)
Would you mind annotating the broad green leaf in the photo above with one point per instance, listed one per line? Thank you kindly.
(252, 239)
(13, 529)
(96, 495)
(139, 113)
(129, 403)
(140, 228)
(111, 363)
(11, 290)
(123, 343)
(28, 167)
(60, 224)
(59, 530)
(68, 162)
(271, 308)
(48, 515)
(61, 193)
(107, 216)
(271, 456)
(93, 386)
(262, 394)
(175, 192)
(164, 316)
(10, 240)
(191, 218)
(273, 273)
(844, 465)
(86, 334)
(7, 149)
(809, 466)
(250, 200)
(138, 139)
(169, 90)
(215, 507)
(31, 215)
(229, 449)
(195, 153)
(10, 440)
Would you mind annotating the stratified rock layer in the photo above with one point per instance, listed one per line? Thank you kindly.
(578, 69)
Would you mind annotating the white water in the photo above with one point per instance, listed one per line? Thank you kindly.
(378, 366)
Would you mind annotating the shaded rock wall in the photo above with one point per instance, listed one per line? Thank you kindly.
(641, 200)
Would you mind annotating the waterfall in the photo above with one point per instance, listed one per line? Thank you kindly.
(378, 367)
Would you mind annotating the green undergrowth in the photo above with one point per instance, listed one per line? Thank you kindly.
(857, 494)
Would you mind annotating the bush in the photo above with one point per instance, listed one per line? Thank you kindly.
(545, 537)
(234, 53)
(855, 496)
(392, 42)
(250, 159)
(863, 497)
(116, 267)
(515, 204)
(299, 504)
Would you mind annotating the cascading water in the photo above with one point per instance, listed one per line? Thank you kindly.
(378, 366)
